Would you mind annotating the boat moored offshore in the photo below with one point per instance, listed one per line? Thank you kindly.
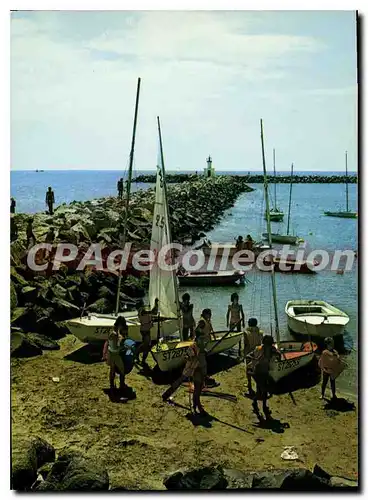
(315, 318)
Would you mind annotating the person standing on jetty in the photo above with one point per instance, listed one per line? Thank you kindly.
(50, 200)
(261, 358)
(29, 232)
(188, 320)
(12, 205)
(252, 339)
(146, 321)
(120, 187)
(13, 228)
(331, 366)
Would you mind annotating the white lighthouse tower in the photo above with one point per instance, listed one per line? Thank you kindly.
(209, 171)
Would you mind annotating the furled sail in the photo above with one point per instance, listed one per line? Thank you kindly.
(163, 283)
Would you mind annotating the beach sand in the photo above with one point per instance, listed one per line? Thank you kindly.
(140, 441)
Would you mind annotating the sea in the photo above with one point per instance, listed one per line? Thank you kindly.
(307, 221)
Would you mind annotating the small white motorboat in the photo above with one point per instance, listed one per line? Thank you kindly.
(315, 318)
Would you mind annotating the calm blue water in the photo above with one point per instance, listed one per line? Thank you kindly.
(307, 221)
(319, 232)
(29, 187)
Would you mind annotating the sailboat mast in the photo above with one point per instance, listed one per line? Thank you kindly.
(346, 179)
(129, 183)
(291, 188)
(274, 174)
(273, 278)
(168, 213)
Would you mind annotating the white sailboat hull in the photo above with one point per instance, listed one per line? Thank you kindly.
(171, 355)
(315, 318)
(293, 358)
(97, 327)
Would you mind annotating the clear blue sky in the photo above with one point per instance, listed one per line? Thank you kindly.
(209, 75)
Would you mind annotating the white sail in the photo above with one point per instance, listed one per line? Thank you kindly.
(163, 283)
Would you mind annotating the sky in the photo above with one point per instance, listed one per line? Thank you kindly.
(209, 75)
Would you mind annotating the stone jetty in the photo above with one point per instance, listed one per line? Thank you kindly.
(257, 178)
(42, 301)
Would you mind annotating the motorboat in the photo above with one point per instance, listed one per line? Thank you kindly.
(315, 318)
(211, 278)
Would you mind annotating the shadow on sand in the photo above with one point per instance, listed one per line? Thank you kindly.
(87, 354)
(215, 364)
(272, 424)
(340, 404)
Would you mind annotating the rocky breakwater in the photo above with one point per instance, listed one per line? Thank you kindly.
(258, 178)
(41, 300)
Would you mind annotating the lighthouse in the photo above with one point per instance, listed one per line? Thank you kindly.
(209, 171)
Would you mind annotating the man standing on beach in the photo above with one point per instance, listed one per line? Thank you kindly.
(50, 200)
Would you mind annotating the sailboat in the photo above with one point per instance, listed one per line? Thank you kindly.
(275, 214)
(294, 355)
(347, 214)
(171, 354)
(281, 238)
(96, 327)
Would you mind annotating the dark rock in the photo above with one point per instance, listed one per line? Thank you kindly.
(43, 342)
(318, 471)
(64, 309)
(27, 456)
(22, 347)
(238, 480)
(73, 472)
(17, 278)
(59, 291)
(342, 482)
(24, 466)
(106, 293)
(101, 306)
(289, 479)
(45, 452)
(205, 478)
(13, 296)
(45, 470)
(47, 327)
(29, 294)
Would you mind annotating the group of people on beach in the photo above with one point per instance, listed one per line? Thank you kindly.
(121, 354)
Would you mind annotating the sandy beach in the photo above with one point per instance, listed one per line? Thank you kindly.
(140, 441)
